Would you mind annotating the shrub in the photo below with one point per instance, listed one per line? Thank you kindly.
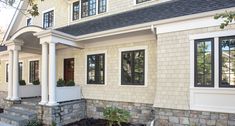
(116, 115)
(36, 82)
(60, 83)
(22, 82)
(70, 83)
(34, 123)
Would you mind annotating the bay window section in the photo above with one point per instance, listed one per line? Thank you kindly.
(133, 67)
(33, 71)
(88, 8)
(95, 69)
(204, 63)
(227, 62)
(102, 4)
(76, 10)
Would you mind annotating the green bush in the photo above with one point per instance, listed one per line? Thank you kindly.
(36, 82)
(22, 82)
(34, 123)
(60, 83)
(116, 115)
(70, 83)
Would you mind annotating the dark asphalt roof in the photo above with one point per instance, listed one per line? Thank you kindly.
(3, 48)
(167, 10)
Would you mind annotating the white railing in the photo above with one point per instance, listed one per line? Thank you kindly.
(68, 93)
(29, 91)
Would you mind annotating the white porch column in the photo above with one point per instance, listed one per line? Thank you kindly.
(15, 75)
(10, 75)
(52, 74)
(44, 73)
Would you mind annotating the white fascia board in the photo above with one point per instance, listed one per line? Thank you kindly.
(16, 14)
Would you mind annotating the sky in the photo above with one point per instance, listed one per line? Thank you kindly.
(6, 14)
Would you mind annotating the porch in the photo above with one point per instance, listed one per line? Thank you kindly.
(35, 40)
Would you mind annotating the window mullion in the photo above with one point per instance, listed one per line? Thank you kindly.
(216, 62)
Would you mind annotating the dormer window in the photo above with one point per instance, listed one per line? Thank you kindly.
(76, 10)
(29, 21)
(141, 1)
(102, 6)
(88, 8)
(48, 19)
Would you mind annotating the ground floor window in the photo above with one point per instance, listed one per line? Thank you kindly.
(132, 67)
(68, 69)
(95, 69)
(204, 61)
(227, 61)
(20, 71)
(33, 71)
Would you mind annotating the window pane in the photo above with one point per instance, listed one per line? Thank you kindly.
(20, 70)
(227, 61)
(76, 8)
(95, 65)
(102, 6)
(133, 67)
(34, 71)
(7, 69)
(204, 63)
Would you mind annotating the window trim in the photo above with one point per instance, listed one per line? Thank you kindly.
(212, 64)
(145, 48)
(220, 61)
(45, 11)
(105, 66)
(29, 69)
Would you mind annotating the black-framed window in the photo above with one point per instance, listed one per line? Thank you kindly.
(76, 10)
(133, 67)
(88, 8)
(48, 19)
(20, 71)
(29, 21)
(33, 71)
(141, 1)
(102, 5)
(227, 61)
(204, 63)
(7, 65)
(96, 69)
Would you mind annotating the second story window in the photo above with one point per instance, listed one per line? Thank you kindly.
(141, 1)
(88, 8)
(76, 9)
(102, 6)
(29, 21)
(48, 19)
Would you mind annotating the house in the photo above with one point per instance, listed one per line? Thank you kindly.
(162, 60)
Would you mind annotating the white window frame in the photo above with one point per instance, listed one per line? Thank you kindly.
(45, 11)
(219, 101)
(145, 48)
(105, 71)
(37, 59)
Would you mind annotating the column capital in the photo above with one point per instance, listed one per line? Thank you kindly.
(14, 44)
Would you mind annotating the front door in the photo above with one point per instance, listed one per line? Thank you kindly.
(68, 69)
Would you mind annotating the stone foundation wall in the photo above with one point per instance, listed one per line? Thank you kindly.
(62, 114)
(171, 117)
(140, 113)
(3, 95)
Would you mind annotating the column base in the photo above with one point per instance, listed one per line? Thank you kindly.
(52, 104)
(16, 99)
(42, 102)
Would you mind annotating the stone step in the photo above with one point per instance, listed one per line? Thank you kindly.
(17, 112)
(13, 120)
(24, 107)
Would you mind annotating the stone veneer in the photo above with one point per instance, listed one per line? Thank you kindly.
(140, 113)
(3, 95)
(62, 114)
